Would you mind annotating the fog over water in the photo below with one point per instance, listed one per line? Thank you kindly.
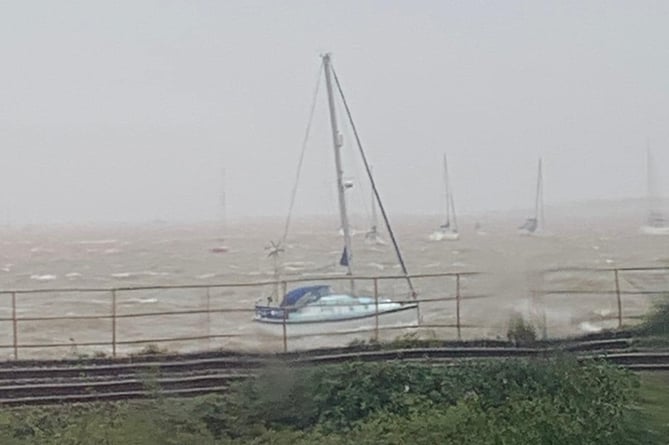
(129, 111)
(135, 136)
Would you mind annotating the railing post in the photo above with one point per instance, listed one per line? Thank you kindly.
(285, 333)
(376, 311)
(113, 323)
(418, 316)
(15, 340)
(208, 314)
(285, 316)
(618, 299)
(457, 305)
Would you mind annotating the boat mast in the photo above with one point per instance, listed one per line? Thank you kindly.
(649, 181)
(448, 197)
(452, 201)
(337, 143)
(539, 199)
(224, 203)
(374, 218)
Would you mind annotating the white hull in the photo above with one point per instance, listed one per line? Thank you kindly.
(653, 230)
(539, 233)
(406, 316)
(440, 235)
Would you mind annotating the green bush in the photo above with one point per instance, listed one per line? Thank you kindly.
(556, 401)
(521, 332)
(656, 322)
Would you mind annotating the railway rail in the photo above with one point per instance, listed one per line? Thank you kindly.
(88, 380)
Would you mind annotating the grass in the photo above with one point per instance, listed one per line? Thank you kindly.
(654, 400)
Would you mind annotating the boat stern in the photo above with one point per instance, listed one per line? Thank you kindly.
(269, 313)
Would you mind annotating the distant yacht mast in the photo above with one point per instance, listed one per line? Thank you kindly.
(536, 222)
(656, 223)
(222, 248)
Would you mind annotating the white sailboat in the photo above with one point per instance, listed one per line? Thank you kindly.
(656, 222)
(448, 231)
(304, 308)
(535, 223)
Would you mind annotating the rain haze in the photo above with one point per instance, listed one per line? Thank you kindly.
(157, 143)
(130, 111)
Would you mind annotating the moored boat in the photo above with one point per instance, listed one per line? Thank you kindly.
(318, 308)
(448, 231)
(309, 305)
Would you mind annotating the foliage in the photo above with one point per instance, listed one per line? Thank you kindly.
(657, 322)
(521, 332)
(553, 401)
(150, 349)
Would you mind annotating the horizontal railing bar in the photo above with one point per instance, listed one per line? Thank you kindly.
(604, 269)
(61, 345)
(455, 298)
(186, 312)
(177, 339)
(48, 290)
(602, 292)
(65, 317)
(242, 284)
(124, 342)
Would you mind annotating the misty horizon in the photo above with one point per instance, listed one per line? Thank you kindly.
(131, 112)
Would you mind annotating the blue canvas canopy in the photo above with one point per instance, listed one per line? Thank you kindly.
(292, 297)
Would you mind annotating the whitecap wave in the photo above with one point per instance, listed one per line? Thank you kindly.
(299, 264)
(44, 277)
(141, 300)
(97, 241)
(377, 266)
(39, 249)
(586, 326)
(204, 276)
(147, 273)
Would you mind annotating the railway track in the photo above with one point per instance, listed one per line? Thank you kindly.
(52, 382)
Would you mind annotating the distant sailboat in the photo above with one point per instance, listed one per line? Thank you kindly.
(372, 236)
(656, 223)
(479, 229)
(222, 248)
(449, 229)
(535, 223)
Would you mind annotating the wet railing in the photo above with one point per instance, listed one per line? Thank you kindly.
(48, 323)
(625, 293)
(113, 321)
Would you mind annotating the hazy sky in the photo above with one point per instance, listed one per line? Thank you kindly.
(130, 110)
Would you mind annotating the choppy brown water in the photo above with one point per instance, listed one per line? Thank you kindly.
(160, 254)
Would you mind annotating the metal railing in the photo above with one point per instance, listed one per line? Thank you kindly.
(200, 316)
(618, 283)
(119, 321)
